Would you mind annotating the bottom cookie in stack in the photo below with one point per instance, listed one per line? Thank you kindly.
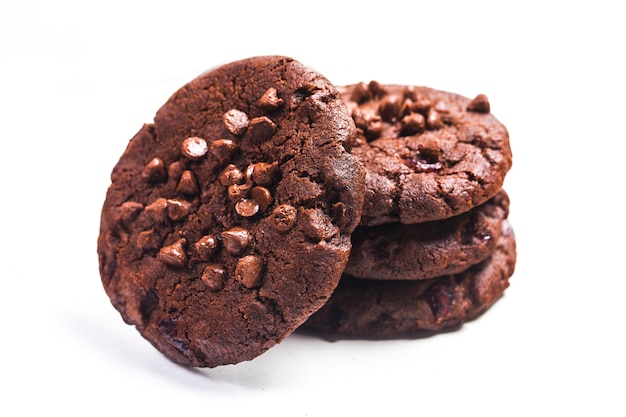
(386, 308)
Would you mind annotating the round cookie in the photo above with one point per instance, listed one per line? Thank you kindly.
(428, 154)
(228, 220)
(373, 308)
(397, 251)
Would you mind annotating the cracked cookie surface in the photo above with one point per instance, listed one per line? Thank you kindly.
(428, 154)
(378, 308)
(228, 220)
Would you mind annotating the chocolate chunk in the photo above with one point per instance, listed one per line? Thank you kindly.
(154, 171)
(174, 254)
(214, 276)
(261, 129)
(283, 217)
(270, 101)
(223, 149)
(249, 270)
(236, 240)
(188, 184)
(236, 121)
(480, 104)
(206, 247)
(194, 148)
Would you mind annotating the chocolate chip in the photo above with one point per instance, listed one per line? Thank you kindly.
(441, 107)
(236, 121)
(129, 210)
(223, 149)
(194, 148)
(247, 207)
(410, 93)
(374, 128)
(206, 247)
(283, 217)
(188, 185)
(480, 104)
(231, 175)
(441, 299)
(178, 209)
(147, 239)
(262, 196)
(214, 276)
(421, 106)
(261, 129)
(236, 240)
(154, 171)
(238, 191)
(176, 169)
(116, 239)
(413, 124)
(389, 107)
(433, 121)
(157, 210)
(174, 254)
(317, 225)
(376, 89)
(249, 270)
(263, 173)
(270, 100)
(360, 93)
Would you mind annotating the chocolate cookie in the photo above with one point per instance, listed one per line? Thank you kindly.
(228, 220)
(428, 154)
(373, 308)
(430, 249)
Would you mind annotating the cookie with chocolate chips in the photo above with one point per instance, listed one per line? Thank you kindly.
(397, 251)
(376, 308)
(428, 154)
(228, 220)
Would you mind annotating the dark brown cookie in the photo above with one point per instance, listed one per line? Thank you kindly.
(373, 308)
(428, 154)
(228, 220)
(430, 249)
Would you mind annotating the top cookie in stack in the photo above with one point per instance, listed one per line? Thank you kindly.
(434, 247)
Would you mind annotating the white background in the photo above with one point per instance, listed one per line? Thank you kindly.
(78, 79)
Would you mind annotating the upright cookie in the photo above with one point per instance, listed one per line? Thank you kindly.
(399, 251)
(374, 308)
(428, 154)
(228, 221)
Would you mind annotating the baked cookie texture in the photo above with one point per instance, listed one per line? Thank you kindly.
(428, 154)
(396, 251)
(228, 220)
(377, 308)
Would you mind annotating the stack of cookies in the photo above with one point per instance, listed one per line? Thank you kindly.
(434, 248)
(262, 198)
